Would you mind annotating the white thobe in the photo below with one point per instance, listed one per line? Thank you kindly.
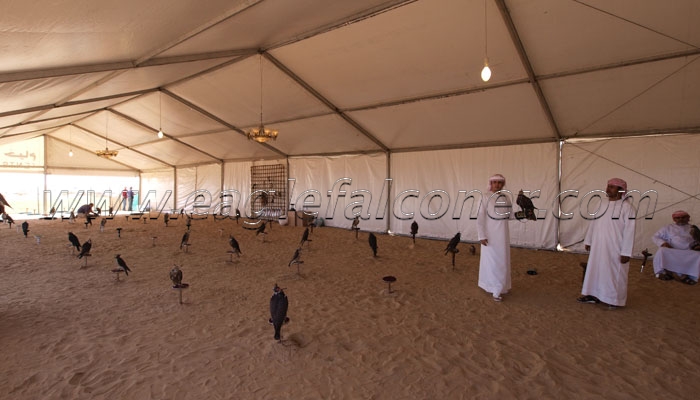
(680, 258)
(610, 236)
(492, 224)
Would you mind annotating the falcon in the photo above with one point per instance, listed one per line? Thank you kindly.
(121, 264)
(373, 243)
(526, 204)
(279, 304)
(414, 230)
(7, 218)
(296, 258)
(176, 276)
(74, 240)
(86, 248)
(452, 245)
(185, 239)
(234, 245)
(695, 234)
(304, 237)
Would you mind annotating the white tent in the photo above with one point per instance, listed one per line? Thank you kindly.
(582, 90)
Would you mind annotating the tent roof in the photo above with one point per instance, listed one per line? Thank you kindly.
(341, 76)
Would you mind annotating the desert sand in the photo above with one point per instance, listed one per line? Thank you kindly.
(71, 330)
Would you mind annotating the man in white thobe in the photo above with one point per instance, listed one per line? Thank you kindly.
(609, 239)
(492, 227)
(676, 250)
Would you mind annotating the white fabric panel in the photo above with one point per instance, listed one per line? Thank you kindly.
(186, 183)
(174, 153)
(160, 182)
(142, 78)
(332, 134)
(566, 35)
(42, 91)
(116, 128)
(237, 177)
(58, 157)
(191, 180)
(666, 164)
(80, 108)
(209, 179)
(631, 99)
(367, 172)
(437, 46)
(283, 20)
(159, 110)
(497, 115)
(527, 167)
(233, 94)
(23, 153)
(227, 145)
(77, 33)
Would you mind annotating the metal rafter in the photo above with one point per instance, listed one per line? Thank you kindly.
(122, 145)
(217, 119)
(505, 15)
(143, 125)
(325, 101)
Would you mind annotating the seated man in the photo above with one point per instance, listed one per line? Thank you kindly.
(675, 254)
(86, 210)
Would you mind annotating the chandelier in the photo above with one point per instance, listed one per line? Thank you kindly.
(106, 153)
(262, 134)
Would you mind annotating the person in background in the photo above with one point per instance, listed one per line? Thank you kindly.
(124, 195)
(130, 197)
(676, 250)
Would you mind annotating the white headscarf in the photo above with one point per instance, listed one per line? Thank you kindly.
(496, 178)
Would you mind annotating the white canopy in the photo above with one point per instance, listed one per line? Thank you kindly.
(341, 78)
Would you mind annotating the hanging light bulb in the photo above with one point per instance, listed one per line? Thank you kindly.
(70, 153)
(486, 71)
(160, 134)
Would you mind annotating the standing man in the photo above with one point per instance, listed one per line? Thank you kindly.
(124, 194)
(494, 235)
(609, 239)
(130, 197)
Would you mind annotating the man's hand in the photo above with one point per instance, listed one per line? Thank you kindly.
(666, 245)
(588, 247)
(484, 242)
(624, 259)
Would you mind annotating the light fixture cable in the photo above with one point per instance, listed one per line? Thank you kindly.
(160, 116)
(486, 71)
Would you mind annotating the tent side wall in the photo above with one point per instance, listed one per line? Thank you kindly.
(664, 167)
(338, 187)
(443, 180)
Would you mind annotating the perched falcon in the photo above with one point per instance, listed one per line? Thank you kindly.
(452, 245)
(279, 304)
(373, 243)
(176, 276)
(86, 248)
(121, 264)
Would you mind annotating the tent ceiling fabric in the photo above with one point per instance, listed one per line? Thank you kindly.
(342, 76)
